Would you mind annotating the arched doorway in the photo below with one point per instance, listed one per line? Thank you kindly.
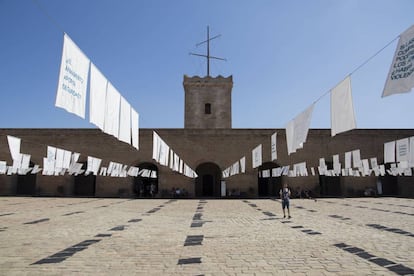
(207, 184)
(84, 185)
(268, 185)
(26, 184)
(146, 180)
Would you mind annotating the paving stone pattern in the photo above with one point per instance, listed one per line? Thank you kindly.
(66, 236)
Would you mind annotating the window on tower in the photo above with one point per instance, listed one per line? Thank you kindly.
(207, 108)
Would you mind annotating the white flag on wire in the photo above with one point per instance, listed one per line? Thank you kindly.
(389, 152)
(125, 122)
(411, 157)
(14, 146)
(73, 79)
(135, 128)
(155, 146)
(342, 108)
(348, 159)
(257, 156)
(273, 146)
(400, 78)
(97, 97)
(297, 130)
(243, 164)
(403, 148)
(356, 158)
(113, 99)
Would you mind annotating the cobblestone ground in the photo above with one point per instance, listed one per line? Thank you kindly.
(62, 236)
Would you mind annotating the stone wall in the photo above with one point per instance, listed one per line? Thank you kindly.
(197, 146)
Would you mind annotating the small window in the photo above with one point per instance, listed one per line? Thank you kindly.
(207, 108)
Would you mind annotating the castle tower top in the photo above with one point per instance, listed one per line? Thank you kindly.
(207, 102)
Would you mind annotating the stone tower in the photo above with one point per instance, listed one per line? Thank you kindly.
(207, 102)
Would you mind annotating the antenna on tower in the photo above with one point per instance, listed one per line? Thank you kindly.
(208, 50)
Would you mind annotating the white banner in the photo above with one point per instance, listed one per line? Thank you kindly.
(97, 97)
(342, 108)
(135, 128)
(400, 77)
(14, 146)
(73, 79)
(348, 159)
(273, 146)
(389, 152)
(356, 158)
(243, 164)
(403, 148)
(125, 122)
(113, 99)
(257, 156)
(297, 130)
(411, 158)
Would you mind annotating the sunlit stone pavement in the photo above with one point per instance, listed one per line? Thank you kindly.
(100, 236)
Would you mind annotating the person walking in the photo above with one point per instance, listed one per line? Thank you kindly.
(285, 197)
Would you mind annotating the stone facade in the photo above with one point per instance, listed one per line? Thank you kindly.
(208, 152)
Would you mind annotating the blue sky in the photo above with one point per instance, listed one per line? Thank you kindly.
(283, 55)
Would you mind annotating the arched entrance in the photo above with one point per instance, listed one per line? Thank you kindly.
(84, 185)
(268, 185)
(26, 184)
(146, 180)
(207, 184)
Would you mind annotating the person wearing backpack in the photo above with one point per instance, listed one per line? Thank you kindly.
(285, 197)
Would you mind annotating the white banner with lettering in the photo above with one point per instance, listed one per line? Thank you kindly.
(73, 79)
(273, 146)
(401, 77)
(257, 156)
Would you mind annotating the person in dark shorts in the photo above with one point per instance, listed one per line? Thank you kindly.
(285, 197)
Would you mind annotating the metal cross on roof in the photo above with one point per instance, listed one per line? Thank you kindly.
(208, 50)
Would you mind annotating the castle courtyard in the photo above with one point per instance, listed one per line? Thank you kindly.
(123, 236)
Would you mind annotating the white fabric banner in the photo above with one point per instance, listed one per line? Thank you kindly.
(66, 159)
(257, 156)
(3, 167)
(75, 157)
(403, 148)
(401, 77)
(60, 153)
(411, 154)
(51, 153)
(356, 158)
(176, 163)
(14, 146)
(235, 168)
(273, 146)
(125, 122)
(171, 159)
(348, 160)
(97, 97)
(155, 146)
(113, 99)
(342, 108)
(135, 128)
(297, 130)
(389, 152)
(25, 161)
(73, 79)
(243, 164)
(374, 163)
